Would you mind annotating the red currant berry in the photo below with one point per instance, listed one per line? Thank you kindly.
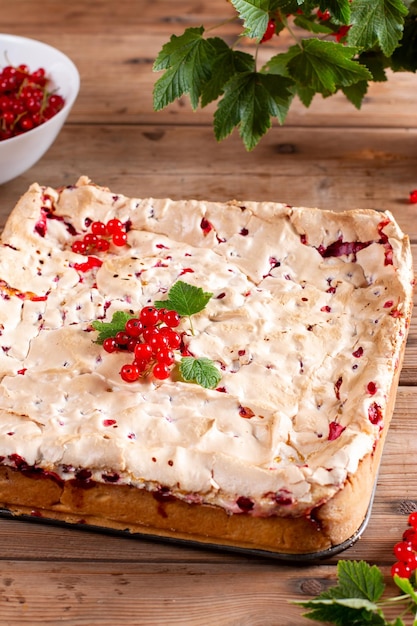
(141, 364)
(110, 344)
(143, 351)
(129, 372)
(409, 534)
(79, 247)
(119, 239)
(122, 338)
(413, 196)
(401, 569)
(102, 245)
(412, 562)
(131, 345)
(90, 239)
(114, 226)
(165, 355)
(174, 339)
(149, 316)
(323, 15)
(172, 319)
(98, 228)
(269, 32)
(157, 342)
(412, 520)
(161, 371)
(134, 327)
(403, 550)
(149, 332)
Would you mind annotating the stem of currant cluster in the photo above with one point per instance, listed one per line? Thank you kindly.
(290, 30)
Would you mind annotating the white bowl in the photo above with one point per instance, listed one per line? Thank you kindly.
(19, 153)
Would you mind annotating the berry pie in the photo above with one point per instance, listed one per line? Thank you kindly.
(223, 373)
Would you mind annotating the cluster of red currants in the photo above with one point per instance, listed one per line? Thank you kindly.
(151, 339)
(100, 236)
(406, 550)
(25, 101)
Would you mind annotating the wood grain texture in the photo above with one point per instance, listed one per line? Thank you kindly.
(329, 156)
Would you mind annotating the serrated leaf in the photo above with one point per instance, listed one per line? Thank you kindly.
(376, 63)
(379, 22)
(187, 63)
(306, 95)
(225, 63)
(109, 329)
(358, 579)
(201, 371)
(185, 299)
(404, 58)
(405, 585)
(356, 93)
(255, 16)
(323, 66)
(250, 100)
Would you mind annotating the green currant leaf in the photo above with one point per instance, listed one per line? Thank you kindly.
(201, 371)
(306, 95)
(109, 329)
(405, 585)
(375, 23)
(185, 299)
(250, 100)
(376, 63)
(404, 58)
(187, 63)
(225, 63)
(356, 93)
(255, 16)
(336, 612)
(358, 579)
(323, 66)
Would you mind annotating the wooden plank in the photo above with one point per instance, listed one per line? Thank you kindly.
(150, 595)
(153, 594)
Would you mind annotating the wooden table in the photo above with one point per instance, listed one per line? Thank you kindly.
(330, 156)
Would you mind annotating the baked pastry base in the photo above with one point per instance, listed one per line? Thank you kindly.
(126, 508)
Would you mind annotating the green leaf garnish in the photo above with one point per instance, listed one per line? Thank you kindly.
(185, 299)
(201, 371)
(110, 329)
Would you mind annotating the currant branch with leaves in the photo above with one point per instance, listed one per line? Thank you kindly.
(338, 45)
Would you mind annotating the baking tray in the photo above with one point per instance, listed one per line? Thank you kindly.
(307, 558)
